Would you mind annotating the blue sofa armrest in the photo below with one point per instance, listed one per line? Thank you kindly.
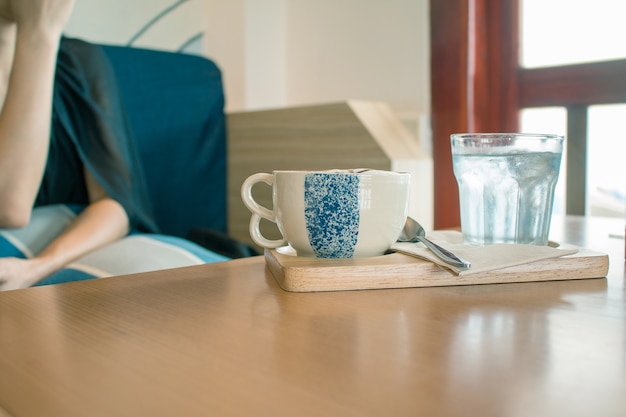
(175, 104)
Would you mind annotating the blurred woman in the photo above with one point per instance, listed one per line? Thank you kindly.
(64, 139)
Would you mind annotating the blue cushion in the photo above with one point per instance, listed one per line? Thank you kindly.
(133, 254)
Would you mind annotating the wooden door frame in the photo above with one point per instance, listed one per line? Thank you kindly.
(474, 59)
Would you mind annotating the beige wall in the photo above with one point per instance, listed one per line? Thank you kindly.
(276, 53)
(368, 49)
(287, 52)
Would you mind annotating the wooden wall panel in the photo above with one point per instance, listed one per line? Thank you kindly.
(449, 99)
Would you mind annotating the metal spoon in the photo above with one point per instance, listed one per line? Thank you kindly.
(414, 232)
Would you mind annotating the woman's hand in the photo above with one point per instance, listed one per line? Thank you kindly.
(16, 273)
(49, 16)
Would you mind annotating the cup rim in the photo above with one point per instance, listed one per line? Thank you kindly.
(347, 171)
(502, 143)
(505, 135)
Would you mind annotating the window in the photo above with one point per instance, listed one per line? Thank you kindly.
(564, 32)
(565, 43)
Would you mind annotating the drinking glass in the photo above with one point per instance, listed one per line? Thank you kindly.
(506, 185)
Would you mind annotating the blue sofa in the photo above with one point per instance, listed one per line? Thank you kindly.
(175, 103)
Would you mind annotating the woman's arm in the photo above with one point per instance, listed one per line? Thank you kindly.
(26, 114)
(102, 222)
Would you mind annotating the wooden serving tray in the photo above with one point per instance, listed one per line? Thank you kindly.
(396, 270)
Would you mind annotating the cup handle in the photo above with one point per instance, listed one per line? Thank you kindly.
(258, 211)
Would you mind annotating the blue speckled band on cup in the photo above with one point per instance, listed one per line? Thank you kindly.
(331, 210)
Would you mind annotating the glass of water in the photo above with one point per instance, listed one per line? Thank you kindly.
(506, 185)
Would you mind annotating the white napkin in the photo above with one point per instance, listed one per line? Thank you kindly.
(483, 258)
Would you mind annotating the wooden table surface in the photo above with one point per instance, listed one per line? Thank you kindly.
(225, 340)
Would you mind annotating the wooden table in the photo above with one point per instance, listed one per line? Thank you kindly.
(225, 340)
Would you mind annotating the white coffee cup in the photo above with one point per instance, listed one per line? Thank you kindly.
(331, 214)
